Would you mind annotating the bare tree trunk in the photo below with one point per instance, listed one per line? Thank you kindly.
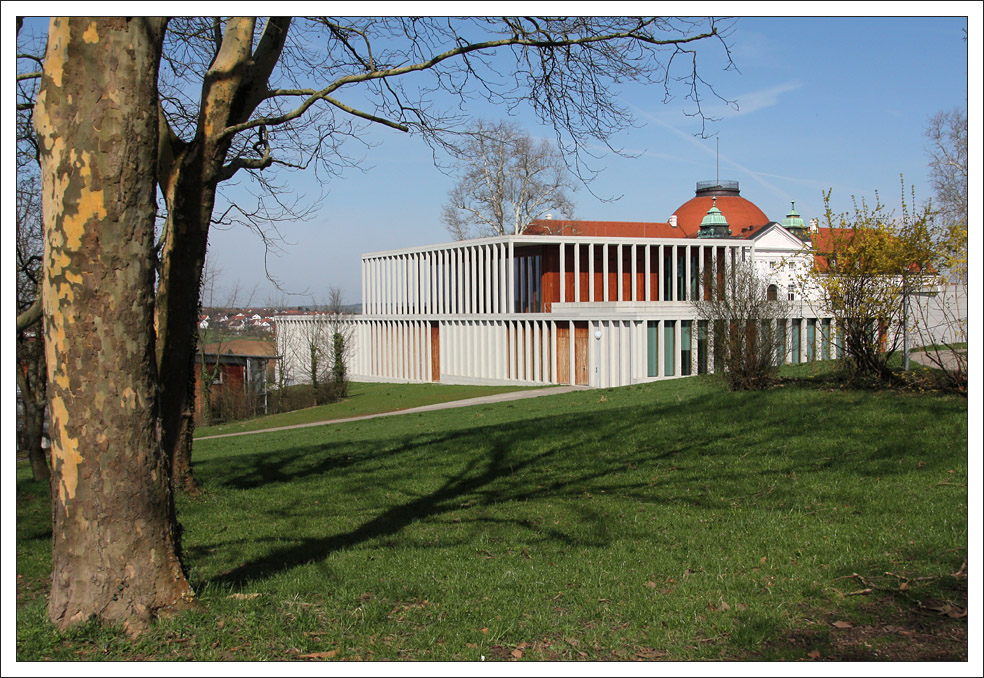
(177, 326)
(189, 173)
(33, 392)
(115, 537)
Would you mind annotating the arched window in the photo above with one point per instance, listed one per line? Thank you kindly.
(772, 293)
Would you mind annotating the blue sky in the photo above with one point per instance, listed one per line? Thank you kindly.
(823, 103)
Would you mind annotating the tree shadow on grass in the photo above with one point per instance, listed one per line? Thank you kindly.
(475, 478)
(702, 443)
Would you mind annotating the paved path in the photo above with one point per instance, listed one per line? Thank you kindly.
(948, 358)
(482, 400)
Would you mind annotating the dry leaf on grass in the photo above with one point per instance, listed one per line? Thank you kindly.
(320, 655)
(843, 625)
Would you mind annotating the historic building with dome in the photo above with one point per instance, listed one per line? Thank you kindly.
(598, 303)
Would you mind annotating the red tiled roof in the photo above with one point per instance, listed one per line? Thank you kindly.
(604, 229)
(825, 239)
(242, 347)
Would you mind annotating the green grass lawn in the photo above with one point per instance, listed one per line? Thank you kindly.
(364, 398)
(665, 521)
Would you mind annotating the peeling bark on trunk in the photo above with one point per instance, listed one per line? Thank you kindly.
(115, 538)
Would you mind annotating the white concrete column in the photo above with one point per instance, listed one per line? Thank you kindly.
(500, 278)
(577, 272)
(430, 308)
(404, 278)
(496, 348)
(384, 286)
(604, 271)
(398, 348)
(367, 306)
(570, 348)
(591, 275)
(447, 282)
(700, 271)
(528, 346)
(377, 286)
(384, 348)
(392, 271)
(660, 273)
(635, 266)
(675, 291)
(473, 282)
(677, 348)
(380, 287)
(494, 278)
(485, 277)
(465, 277)
(419, 287)
(660, 344)
(437, 281)
(399, 280)
(647, 254)
(510, 279)
(688, 292)
(552, 345)
(456, 275)
(598, 354)
(563, 272)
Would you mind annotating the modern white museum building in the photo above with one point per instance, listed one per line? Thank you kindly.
(568, 302)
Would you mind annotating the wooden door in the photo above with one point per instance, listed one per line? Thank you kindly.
(563, 354)
(581, 353)
(435, 352)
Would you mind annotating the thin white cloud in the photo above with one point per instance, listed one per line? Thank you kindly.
(750, 102)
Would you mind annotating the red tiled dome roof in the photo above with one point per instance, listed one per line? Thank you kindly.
(741, 214)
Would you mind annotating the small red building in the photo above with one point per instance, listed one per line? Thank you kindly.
(239, 388)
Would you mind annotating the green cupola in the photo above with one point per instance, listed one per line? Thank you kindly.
(794, 224)
(714, 225)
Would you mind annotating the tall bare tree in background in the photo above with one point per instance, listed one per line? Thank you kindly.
(319, 348)
(340, 332)
(506, 180)
(243, 97)
(947, 135)
(31, 368)
(941, 315)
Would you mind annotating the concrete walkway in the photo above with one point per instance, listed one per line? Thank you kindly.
(948, 358)
(468, 402)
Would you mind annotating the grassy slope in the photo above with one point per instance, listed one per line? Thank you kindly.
(670, 520)
(364, 398)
